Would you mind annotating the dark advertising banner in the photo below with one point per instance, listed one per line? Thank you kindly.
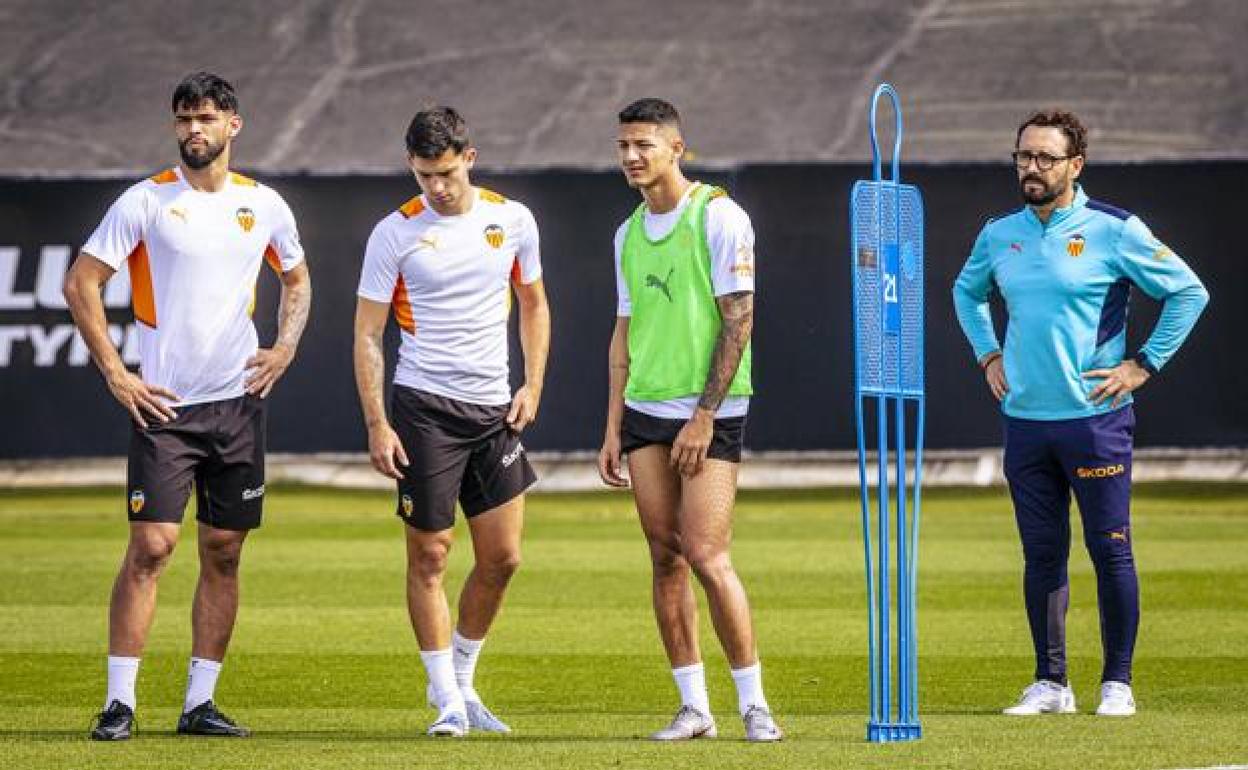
(54, 404)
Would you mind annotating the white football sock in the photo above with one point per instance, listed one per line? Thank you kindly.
(749, 681)
(466, 653)
(691, 681)
(122, 673)
(201, 682)
(441, 670)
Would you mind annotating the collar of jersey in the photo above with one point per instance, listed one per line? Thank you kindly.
(1060, 215)
(476, 199)
(684, 201)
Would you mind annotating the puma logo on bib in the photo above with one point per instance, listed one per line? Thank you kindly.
(653, 282)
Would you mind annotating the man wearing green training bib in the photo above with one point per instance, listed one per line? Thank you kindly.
(679, 394)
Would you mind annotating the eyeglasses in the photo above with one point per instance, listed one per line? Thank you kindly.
(1044, 161)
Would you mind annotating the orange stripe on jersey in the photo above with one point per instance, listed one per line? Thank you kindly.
(491, 196)
(403, 308)
(412, 207)
(141, 295)
(165, 177)
(245, 181)
(275, 262)
(515, 279)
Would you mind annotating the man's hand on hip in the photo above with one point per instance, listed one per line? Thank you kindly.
(1118, 381)
(266, 367)
(994, 373)
(140, 398)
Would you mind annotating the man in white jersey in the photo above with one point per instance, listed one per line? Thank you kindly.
(194, 238)
(446, 263)
(679, 392)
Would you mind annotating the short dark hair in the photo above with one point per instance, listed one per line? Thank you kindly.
(651, 110)
(435, 130)
(201, 86)
(1065, 120)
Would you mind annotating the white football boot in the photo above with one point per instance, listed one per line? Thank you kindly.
(760, 727)
(1043, 697)
(479, 715)
(689, 723)
(1116, 700)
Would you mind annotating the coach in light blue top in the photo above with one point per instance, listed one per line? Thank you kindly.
(1064, 265)
(1066, 282)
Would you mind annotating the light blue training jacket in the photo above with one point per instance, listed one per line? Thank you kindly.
(1065, 284)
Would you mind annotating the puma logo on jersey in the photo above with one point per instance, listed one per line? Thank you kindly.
(174, 211)
(428, 241)
(653, 282)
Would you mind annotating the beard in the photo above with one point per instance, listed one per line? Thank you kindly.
(202, 158)
(1046, 195)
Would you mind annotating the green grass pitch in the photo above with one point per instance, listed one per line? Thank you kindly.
(324, 668)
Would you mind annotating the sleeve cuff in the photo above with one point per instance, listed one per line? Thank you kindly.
(1141, 358)
(374, 297)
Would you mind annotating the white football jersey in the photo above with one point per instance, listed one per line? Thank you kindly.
(194, 258)
(449, 279)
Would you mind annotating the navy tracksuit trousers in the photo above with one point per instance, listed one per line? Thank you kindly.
(1044, 461)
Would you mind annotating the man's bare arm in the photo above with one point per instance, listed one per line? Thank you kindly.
(268, 365)
(295, 304)
(385, 451)
(83, 282)
(737, 313)
(535, 343)
(610, 467)
(617, 374)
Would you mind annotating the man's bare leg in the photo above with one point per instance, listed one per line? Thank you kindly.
(133, 603)
(706, 505)
(657, 490)
(496, 553)
(426, 600)
(215, 606)
(706, 531)
(213, 610)
(431, 621)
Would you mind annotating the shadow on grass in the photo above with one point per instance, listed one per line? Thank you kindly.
(342, 736)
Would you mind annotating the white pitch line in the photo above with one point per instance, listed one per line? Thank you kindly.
(1216, 767)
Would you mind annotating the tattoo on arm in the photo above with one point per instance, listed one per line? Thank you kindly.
(293, 315)
(736, 312)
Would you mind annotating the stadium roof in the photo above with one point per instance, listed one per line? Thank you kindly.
(330, 86)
